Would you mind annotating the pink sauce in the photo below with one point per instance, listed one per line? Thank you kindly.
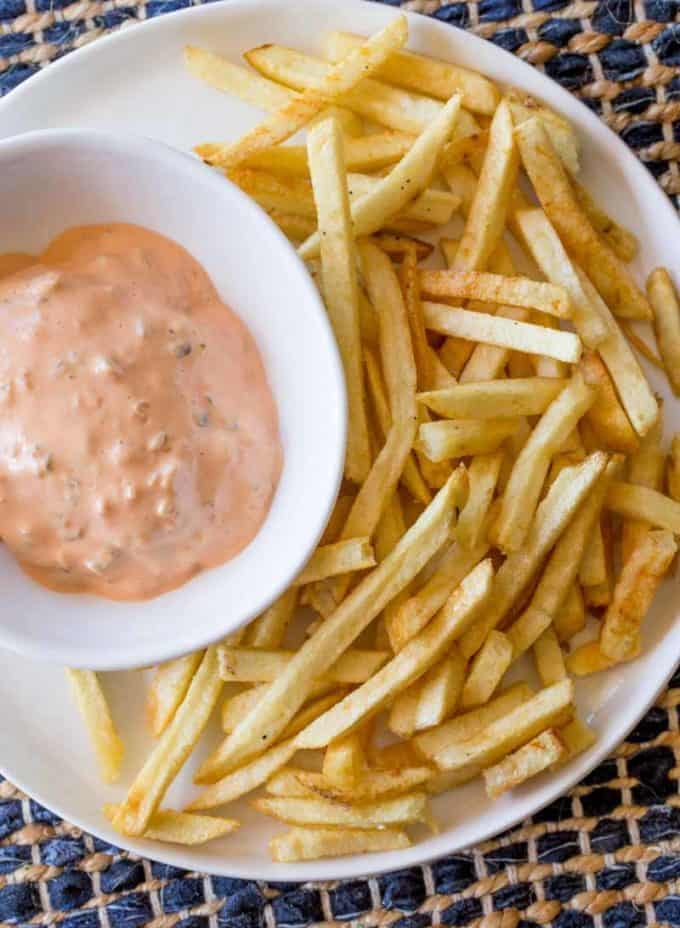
(139, 438)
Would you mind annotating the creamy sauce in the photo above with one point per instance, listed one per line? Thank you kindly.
(139, 438)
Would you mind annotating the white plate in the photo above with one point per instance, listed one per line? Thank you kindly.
(135, 81)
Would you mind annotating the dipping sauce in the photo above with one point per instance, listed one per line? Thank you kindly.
(139, 438)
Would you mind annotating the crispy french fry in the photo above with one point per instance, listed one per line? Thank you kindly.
(531, 467)
(587, 659)
(552, 706)
(372, 99)
(544, 245)
(636, 502)
(417, 610)
(432, 206)
(570, 618)
(340, 557)
(373, 785)
(487, 670)
(502, 332)
(269, 629)
(397, 246)
(553, 189)
(344, 761)
(172, 749)
(633, 594)
(423, 74)
(312, 843)
(631, 385)
(548, 658)
(487, 361)
(462, 181)
(402, 717)
(495, 288)
(365, 154)
(248, 86)
(409, 809)
(483, 473)
(560, 132)
(168, 688)
(296, 228)
(646, 469)
(288, 692)
(493, 399)
(456, 438)
(463, 727)
(404, 182)
(340, 287)
(552, 516)
(533, 758)
(664, 301)
(577, 737)
(440, 690)
(410, 663)
(488, 210)
(174, 827)
(561, 570)
(606, 416)
(421, 349)
(255, 665)
(621, 240)
(95, 712)
(338, 80)
(673, 473)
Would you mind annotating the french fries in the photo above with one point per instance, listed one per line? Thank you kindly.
(94, 709)
(508, 452)
(664, 301)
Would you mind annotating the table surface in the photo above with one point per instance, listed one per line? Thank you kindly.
(607, 855)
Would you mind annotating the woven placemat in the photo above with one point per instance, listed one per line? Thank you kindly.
(607, 855)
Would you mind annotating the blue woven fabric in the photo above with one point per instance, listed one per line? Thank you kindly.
(605, 856)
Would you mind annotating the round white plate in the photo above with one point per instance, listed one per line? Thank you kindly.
(134, 81)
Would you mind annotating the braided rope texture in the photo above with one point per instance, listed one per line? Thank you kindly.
(607, 855)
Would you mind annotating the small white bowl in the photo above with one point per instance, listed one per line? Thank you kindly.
(55, 179)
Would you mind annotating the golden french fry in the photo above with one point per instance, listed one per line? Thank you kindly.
(402, 717)
(544, 245)
(621, 240)
(168, 688)
(552, 516)
(487, 670)
(533, 758)
(561, 570)
(487, 361)
(341, 557)
(548, 658)
(502, 332)
(531, 467)
(255, 665)
(456, 438)
(570, 618)
(587, 659)
(288, 692)
(608, 273)
(641, 503)
(340, 286)
(172, 749)
(646, 469)
(95, 712)
(299, 111)
(409, 664)
(552, 706)
(397, 246)
(415, 612)
(463, 727)
(421, 348)
(577, 737)
(231, 78)
(489, 206)
(633, 594)
(269, 629)
(496, 288)
(606, 416)
(493, 399)
(462, 181)
(404, 182)
(344, 761)
(181, 827)
(313, 843)
(560, 132)
(431, 207)
(439, 690)
(423, 74)
(408, 809)
(366, 153)
(664, 300)
(673, 474)
(483, 473)
(373, 785)
(296, 228)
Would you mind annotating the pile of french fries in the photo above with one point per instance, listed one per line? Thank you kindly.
(506, 489)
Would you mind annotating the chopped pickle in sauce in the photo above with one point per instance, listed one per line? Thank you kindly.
(139, 438)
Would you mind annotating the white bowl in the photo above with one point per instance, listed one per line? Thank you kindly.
(59, 178)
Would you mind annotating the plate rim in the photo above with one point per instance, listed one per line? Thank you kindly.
(364, 866)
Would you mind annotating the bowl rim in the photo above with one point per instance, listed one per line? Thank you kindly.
(161, 648)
